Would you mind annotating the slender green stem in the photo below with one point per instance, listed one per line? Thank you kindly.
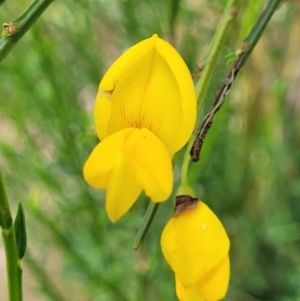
(148, 218)
(205, 79)
(185, 163)
(13, 267)
(258, 29)
(203, 83)
(242, 56)
(21, 25)
(5, 216)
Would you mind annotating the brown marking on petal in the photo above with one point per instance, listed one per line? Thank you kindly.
(107, 94)
(184, 203)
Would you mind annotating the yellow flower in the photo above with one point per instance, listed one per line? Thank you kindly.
(145, 111)
(196, 246)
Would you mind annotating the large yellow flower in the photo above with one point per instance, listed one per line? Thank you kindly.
(145, 111)
(196, 246)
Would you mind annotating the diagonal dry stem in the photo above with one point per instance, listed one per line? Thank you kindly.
(243, 54)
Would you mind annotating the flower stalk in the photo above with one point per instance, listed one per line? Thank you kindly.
(147, 220)
(13, 267)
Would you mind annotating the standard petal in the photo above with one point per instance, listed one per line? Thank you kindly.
(124, 63)
(128, 59)
(102, 113)
(194, 242)
(148, 86)
(214, 285)
(147, 96)
(152, 163)
(186, 89)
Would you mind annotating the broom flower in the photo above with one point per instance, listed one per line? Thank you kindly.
(196, 246)
(145, 111)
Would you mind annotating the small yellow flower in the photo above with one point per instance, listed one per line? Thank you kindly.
(145, 111)
(196, 246)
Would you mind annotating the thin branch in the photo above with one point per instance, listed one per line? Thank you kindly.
(5, 215)
(244, 52)
(208, 119)
(15, 30)
(230, 11)
(13, 265)
(147, 220)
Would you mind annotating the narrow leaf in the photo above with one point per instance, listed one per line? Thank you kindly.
(20, 231)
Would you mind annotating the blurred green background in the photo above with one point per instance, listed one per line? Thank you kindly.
(249, 173)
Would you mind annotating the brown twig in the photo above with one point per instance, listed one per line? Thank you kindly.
(244, 52)
(220, 98)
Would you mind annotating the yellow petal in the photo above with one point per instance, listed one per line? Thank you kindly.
(102, 113)
(126, 163)
(122, 189)
(148, 97)
(102, 159)
(108, 168)
(124, 63)
(193, 243)
(186, 90)
(214, 285)
(152, 164)
(148, 86)
(188, 294)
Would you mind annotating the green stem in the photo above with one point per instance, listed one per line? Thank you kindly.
(13, 267)
(22, 25)
(205, 79)
(5, 216)
(185, 163)
(242, 55)
(214, 51)
(146, 223)
(256, 32)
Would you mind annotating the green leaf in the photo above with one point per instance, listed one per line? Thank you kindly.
(20, 231)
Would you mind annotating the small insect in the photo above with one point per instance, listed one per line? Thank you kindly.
(9, 29)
